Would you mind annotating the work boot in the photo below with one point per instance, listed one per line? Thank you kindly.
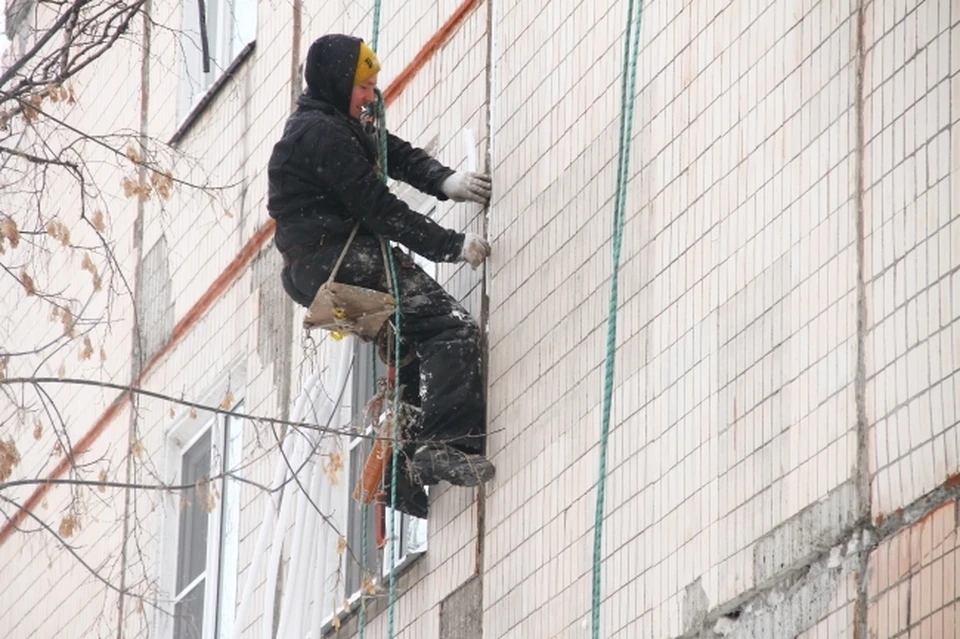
(433, 463)
(411, 498)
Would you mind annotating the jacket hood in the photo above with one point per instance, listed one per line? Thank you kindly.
(330, 68)
(308, 101)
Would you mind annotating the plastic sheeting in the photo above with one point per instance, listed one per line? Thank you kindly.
(304, 450)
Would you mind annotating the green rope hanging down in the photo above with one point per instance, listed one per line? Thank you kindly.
(395, 459)
(627, 86)
(374, 41)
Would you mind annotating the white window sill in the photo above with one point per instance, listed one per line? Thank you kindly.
(211, 93)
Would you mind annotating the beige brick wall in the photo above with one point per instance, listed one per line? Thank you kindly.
(912, 180)
(737, 335)
(736, 388)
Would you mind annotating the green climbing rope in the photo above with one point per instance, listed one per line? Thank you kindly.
(628, 87)
(395, 461)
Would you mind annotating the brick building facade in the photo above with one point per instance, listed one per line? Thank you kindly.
(784, 452)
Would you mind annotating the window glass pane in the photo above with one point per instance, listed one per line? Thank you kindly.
(414, 535)
(366, 366)
(190, 69)
(192, 546)
(188, 614)
(244, 24)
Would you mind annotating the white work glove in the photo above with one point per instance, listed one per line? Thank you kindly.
(475, 250)
(463, 186)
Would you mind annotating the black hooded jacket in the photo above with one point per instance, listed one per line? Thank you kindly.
(322, 173)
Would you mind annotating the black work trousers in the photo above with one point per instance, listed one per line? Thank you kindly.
(445, 338)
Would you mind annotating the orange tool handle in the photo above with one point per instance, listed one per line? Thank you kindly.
(366, 489)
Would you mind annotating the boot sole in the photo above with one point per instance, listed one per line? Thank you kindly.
(458, 469)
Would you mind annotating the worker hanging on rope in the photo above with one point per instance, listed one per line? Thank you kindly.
(324, 189)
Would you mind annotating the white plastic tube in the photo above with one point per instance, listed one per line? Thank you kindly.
(270, 512)
(295, 598)
(293, 608)
(276, 548)
(323, 549)
(296, 550)
(324, 544)
(313, 523)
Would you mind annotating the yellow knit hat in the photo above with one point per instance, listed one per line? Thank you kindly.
(367, 64)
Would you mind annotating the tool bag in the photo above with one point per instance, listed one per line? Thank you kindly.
(345, 309)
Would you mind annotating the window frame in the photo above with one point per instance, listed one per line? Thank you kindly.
(381, 513)
(221, 570)
(230, 42)
(211, 542)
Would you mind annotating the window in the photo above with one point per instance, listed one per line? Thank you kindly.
(411, 531)
(199, 561)
(20, 17)
(210, 44)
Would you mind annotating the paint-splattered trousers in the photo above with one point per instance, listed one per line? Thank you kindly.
(444, 377)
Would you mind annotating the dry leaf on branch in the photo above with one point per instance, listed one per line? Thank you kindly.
(206, 496)
(87, 265)
(103, 354)
(97, 220)
(341, 545)
(3, 365)
(37, 429)
(332, 467)
(31, 107)
(227, 402)
(69, 524)
(66, 318)
(136, 448)
(58, 450)
(9, 231)
(133, 155)
(9, 458)
(62, 371)
(87, 351)
(27, 282)
(58, 231)
(162, 184)
(193, 413)
(103, 481)
(137, 188)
